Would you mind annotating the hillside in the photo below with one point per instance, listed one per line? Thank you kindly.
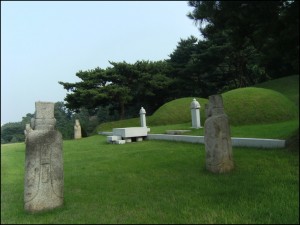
(254, 105)
(288, 86)
(271, 101)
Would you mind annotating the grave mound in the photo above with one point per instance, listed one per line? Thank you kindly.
(177, 111)
(251, 105)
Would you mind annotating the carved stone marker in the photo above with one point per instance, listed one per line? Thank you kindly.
(217, 137)
(195, 110)
(44, 179)
(143, 117)
(77, 130)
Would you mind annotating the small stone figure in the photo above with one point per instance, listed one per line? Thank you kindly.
(195, 110)
(217, 137)
(77, 130)
(27, 130)
(44, 179)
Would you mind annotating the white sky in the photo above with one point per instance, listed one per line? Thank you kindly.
(46, 42)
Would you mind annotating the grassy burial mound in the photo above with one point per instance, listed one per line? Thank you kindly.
(269, 102)
(251, 105)
(288, 86)
(244, 106)
(176, 112)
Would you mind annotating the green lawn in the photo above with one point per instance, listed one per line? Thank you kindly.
(158, 182)
(166, 182)
(281, 130)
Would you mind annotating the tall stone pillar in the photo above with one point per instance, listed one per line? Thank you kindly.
(44, 179)
(195, 110)
(217, 137)
(77, 130)
(143, 117)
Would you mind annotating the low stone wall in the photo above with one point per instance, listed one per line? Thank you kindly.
(236, 142)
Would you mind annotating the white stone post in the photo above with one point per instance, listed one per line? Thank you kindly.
(143, 117)
(195, 109)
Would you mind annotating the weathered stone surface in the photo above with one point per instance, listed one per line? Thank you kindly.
(77, 130)
(44, 179)
(44, 116)
(44, 110)
(195, 111)
(217, 137)
(27, 130)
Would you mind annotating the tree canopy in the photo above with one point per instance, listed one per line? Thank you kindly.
(244, 43)
(122, 85)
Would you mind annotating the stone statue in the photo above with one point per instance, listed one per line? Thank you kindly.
(217, 137)
(44, 179)
(195, 110)
(77, 130)
(27, 130)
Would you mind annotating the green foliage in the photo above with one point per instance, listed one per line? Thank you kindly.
(244, 44)
(64, 122)
(250, 42)
(158, 182)
(122, 85)
(257, 106)
(12, 132)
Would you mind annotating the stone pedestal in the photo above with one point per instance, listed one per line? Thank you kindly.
(217, 138)
(44, 179)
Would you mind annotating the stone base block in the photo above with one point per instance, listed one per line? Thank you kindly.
(139, 139)
(119, 142)
(111, 139)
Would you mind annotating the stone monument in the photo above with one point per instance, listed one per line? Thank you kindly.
(195, 110)
(217, 138)
(143, 117)
(77, 130)
(44, 179)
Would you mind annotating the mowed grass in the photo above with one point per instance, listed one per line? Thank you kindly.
(158, 182)
(281, 130)
(288, 86)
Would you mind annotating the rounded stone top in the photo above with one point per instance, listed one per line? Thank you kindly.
(142, 111)
(195, 104)
(77, 122)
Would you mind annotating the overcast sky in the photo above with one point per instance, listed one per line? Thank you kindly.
(46, 42)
